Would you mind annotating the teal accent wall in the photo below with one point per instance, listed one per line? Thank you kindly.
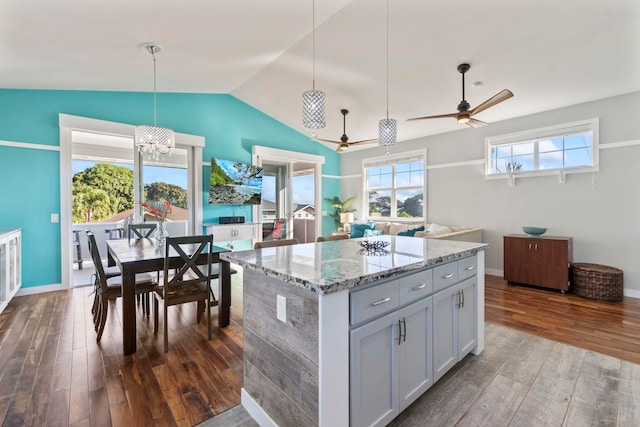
(31, 177)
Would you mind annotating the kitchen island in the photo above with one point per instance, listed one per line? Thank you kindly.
(338, 335)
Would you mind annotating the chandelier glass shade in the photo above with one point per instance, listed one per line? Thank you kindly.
(387, 132)
(313, 103)
(154, 140)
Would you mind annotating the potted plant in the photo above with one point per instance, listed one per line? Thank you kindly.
(339, 207)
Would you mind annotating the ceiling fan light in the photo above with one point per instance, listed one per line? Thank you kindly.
(313, 115)
(342, 147)
(463, 119)
(387, 132)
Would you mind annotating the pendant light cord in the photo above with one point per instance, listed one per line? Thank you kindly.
(313, 37)
(387, 59)
(153, 54)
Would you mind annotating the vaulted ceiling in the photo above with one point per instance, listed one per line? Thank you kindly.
(550, 53)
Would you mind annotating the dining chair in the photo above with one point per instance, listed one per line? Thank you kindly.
(274, 243)
(185, 282)
(111, 288)
(330, 238)
(109, 272)
(142, 231)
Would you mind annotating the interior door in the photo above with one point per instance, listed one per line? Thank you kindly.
(288, 194)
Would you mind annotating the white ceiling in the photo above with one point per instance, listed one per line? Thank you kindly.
(550, 53)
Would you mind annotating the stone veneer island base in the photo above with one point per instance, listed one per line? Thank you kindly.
(321, 316)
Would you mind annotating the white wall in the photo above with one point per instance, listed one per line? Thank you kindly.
(601, 210)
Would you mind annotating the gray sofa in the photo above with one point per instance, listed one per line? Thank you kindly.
(460, 233)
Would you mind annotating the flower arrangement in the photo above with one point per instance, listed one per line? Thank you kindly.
(159, 209)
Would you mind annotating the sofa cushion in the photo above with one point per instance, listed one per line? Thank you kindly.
(370, 233)
(411, 232)
(357, 230)
(396, 227)
(437, 229)
(382, 226)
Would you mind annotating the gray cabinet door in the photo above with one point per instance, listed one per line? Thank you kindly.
(415, 352)
(467, 317)
(445, 321)
(373, 372)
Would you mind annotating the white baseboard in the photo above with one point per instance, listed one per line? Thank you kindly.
(40, 289)
(493, 272)
(632, 293)
(257, 413)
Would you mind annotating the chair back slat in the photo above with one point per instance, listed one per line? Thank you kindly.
(97, 261)
(274, 243)
(330, 238)
(142, 231)
(187, 273)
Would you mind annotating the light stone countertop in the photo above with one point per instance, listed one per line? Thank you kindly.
(343, 264)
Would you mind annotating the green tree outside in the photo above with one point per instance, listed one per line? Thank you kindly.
(174, 194)
(116, 181)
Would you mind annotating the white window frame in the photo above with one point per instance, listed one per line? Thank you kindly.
(535, 136)
(393, 159)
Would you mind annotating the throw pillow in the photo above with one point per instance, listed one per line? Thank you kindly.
(357, 230)
(369, 233)
(411, 233)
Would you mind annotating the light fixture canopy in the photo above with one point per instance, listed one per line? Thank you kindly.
(313, 101)
(154, 140)
(387, 128)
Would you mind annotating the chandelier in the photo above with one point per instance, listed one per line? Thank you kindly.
(154, 140)
(387, 128)
(313, 100)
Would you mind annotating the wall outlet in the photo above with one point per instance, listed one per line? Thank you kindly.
(281, 308)
(55, 218)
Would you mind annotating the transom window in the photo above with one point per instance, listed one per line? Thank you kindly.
(395, 187)
(566, 147)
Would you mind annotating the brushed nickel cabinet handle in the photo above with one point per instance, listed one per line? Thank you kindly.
(417, 288)
(462, 292)
(404, 335)
(399, 332)
(529, 246)
(536, 246)
(448, 276)
(471, 267)
(382, 301)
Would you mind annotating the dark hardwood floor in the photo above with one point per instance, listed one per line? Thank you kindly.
(52, 372)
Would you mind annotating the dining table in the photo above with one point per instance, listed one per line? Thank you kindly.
(134, 256)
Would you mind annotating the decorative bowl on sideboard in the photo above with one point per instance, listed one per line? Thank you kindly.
(534, 231)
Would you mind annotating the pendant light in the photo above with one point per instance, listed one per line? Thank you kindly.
(154, 140)
(387, 128)
(313, 101)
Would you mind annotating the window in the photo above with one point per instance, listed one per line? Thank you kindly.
(395, 187)
(569, 147)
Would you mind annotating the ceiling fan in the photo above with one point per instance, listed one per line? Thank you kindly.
(464, 114)
(344, 143)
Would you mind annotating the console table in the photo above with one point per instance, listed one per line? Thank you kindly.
(231, 232)
(539, 261)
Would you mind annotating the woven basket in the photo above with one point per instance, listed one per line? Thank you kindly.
(596, 281)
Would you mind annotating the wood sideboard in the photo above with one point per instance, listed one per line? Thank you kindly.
(539, 261)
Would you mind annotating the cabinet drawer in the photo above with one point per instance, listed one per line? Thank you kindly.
(416, 286)
(445, 275)
(373, 301)
(467, 267)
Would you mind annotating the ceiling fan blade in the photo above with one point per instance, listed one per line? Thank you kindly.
(327, 140)
(435, 117)
(495, 99)
(475, 123)
(365, 141)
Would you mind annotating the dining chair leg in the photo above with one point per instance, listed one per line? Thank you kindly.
(165, 332)
(209, 318)
(104, 307)
(155, 316)
(147, 303)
